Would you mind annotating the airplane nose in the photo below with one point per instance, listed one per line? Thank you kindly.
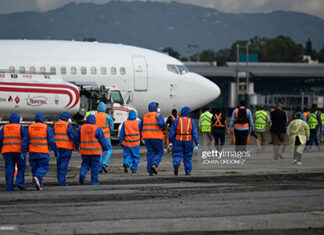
(209, 91)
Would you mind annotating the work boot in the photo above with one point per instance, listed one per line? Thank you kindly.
(80, 180)
(150, 174)
(125, 168)
(133, 172)
(176, 170)
(105, 168)
(154, 169)
(36, 183)
(187, 173)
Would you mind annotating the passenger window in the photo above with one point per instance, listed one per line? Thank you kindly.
(53, 70)
(172, 68)
(93, 70)
(32, 69)
(63, 70)
(83, 70)
(42, 70)
(22, 69)
(11, 69)
(73, 70)
(113, 70)
(103, 70)
(122, 71)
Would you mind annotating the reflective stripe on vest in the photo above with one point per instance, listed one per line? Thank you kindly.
(241, 124)
(205, 122)
(61, 137)
(218, 122)
(38, 138)
(89, 144)
(132, 134)
(11, 138)
(312, 120)
(151, 130)
(184, 129)
(260, 120)
(101, 122)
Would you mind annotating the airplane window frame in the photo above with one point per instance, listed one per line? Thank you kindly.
(83, 70)
(53, 70)
(73, 70)
(22, 69)
(183, 69)
(113, 70)
(12, 69)
(42, 69)
(63, 70)
(174, 68)
(103, 70)
(122, 70)
(32, 69)
(93, 70)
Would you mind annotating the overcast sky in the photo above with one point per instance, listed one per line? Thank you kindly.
(313, 7)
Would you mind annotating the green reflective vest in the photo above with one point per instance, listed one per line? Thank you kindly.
(260, 120)
(205, 122)
(88, 113)
(312, 120)
(322, 118)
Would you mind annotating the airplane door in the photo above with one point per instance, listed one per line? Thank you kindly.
(140, 73)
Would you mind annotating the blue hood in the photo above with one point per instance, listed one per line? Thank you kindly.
(14, 118)
(102, 107)
(299, 115)
(65, 116)
(39, 117)
(91, 119)
(132, 115)
(152, 107)
(185, 112)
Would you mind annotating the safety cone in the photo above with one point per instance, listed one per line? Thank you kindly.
(16, 170)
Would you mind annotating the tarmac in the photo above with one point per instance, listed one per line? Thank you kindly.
(226, 193)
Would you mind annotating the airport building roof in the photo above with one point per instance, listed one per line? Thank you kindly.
(280, 70)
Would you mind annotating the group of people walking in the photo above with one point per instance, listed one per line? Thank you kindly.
(92, 140)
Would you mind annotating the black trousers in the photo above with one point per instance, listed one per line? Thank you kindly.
(240, 139)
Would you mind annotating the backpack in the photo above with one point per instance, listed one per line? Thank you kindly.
(242, 116)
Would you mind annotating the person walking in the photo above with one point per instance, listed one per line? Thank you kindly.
(14, 145)
(91, 140)
(278, 131)
(182, 134)
(40, 137)
(261, 123)
(315, 123)
(106, 123)
(169, 122)
(219, 129)
(298, 133)
(152, 128)
(205, 127)
(65, 142)
(242, 118)
(130, 140)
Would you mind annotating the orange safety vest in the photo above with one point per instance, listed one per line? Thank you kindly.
(184, 129)
(132, 134)
(38, 138)
(61, 137)
(11, 138)
(305, 115)
(101, 122)
(218, 122)
(241, 124)
(89, 144)
(151, 130)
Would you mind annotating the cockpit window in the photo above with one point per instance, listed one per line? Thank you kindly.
(182, 69)
(117, 97)
(172, 68)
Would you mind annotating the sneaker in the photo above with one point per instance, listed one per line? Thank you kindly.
(125, 168)
(176, 170)
(154, 169)
(105, 168)
(41, 189)
(187, 173)
(294, 162)
(299, 163)
(36, 183)
(150, 174)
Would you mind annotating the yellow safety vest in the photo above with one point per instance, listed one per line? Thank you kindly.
(312, 120)
(205, 122)
(260, 120)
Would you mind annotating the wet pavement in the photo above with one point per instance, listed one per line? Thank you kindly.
(238, 194)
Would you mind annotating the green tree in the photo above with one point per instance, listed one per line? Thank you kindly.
(171, 52)
(208, 55)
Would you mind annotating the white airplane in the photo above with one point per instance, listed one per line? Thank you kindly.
(149, 75)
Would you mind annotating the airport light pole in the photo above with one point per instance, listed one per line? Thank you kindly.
(197, 51)
(246, 86)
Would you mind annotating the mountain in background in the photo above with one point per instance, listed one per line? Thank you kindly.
(155, 25)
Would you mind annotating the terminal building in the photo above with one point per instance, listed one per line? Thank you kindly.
(292, 84)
